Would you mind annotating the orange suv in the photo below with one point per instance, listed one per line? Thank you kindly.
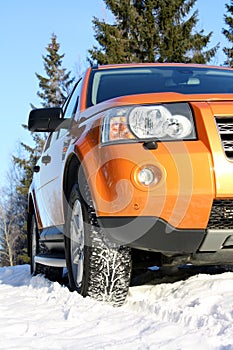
(136, 171)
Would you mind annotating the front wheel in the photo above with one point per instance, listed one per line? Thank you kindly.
(96, 267)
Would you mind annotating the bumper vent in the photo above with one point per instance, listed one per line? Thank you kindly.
(225, 129)
(221, 216)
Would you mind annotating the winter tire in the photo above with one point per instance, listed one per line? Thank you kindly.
(50, 272)
(34, 248)
(96, 267)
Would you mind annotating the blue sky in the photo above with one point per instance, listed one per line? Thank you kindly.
(25, 30)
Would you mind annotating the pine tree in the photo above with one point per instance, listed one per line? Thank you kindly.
(229, 34)
(56, 86)
(151, 31)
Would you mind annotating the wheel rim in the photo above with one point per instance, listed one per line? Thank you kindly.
(77, 243)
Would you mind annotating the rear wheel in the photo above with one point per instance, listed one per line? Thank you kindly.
(34, 239)
(50, 272)
(96, 267)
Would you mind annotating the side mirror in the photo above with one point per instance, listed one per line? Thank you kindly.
(45, 119)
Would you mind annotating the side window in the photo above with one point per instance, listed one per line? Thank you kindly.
(71, 106)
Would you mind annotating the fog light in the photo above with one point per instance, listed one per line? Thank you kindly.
(146, 176)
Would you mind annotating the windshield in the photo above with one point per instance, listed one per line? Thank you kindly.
(110, 83)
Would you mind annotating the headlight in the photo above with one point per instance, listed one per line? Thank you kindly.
(155, 122)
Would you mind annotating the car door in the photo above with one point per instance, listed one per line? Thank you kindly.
(49, 178)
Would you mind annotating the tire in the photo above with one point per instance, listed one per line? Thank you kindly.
(34, 245)
(96, 267)
(50, 272)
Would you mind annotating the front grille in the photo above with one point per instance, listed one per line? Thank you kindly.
(221, 216)
(225, 129)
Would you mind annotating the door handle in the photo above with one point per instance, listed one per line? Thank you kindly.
(46, 159)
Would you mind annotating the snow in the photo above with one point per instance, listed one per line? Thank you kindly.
(196, 313)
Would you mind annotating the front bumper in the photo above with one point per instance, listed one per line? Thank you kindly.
(154, 234)
(151, 233)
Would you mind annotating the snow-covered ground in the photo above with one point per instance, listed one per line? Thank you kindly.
(193, 314)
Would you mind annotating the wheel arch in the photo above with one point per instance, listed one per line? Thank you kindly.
(70, 177)
(30, 204)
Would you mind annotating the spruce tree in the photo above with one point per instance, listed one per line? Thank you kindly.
(56, 85)
(151, 31)
(229, 34)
